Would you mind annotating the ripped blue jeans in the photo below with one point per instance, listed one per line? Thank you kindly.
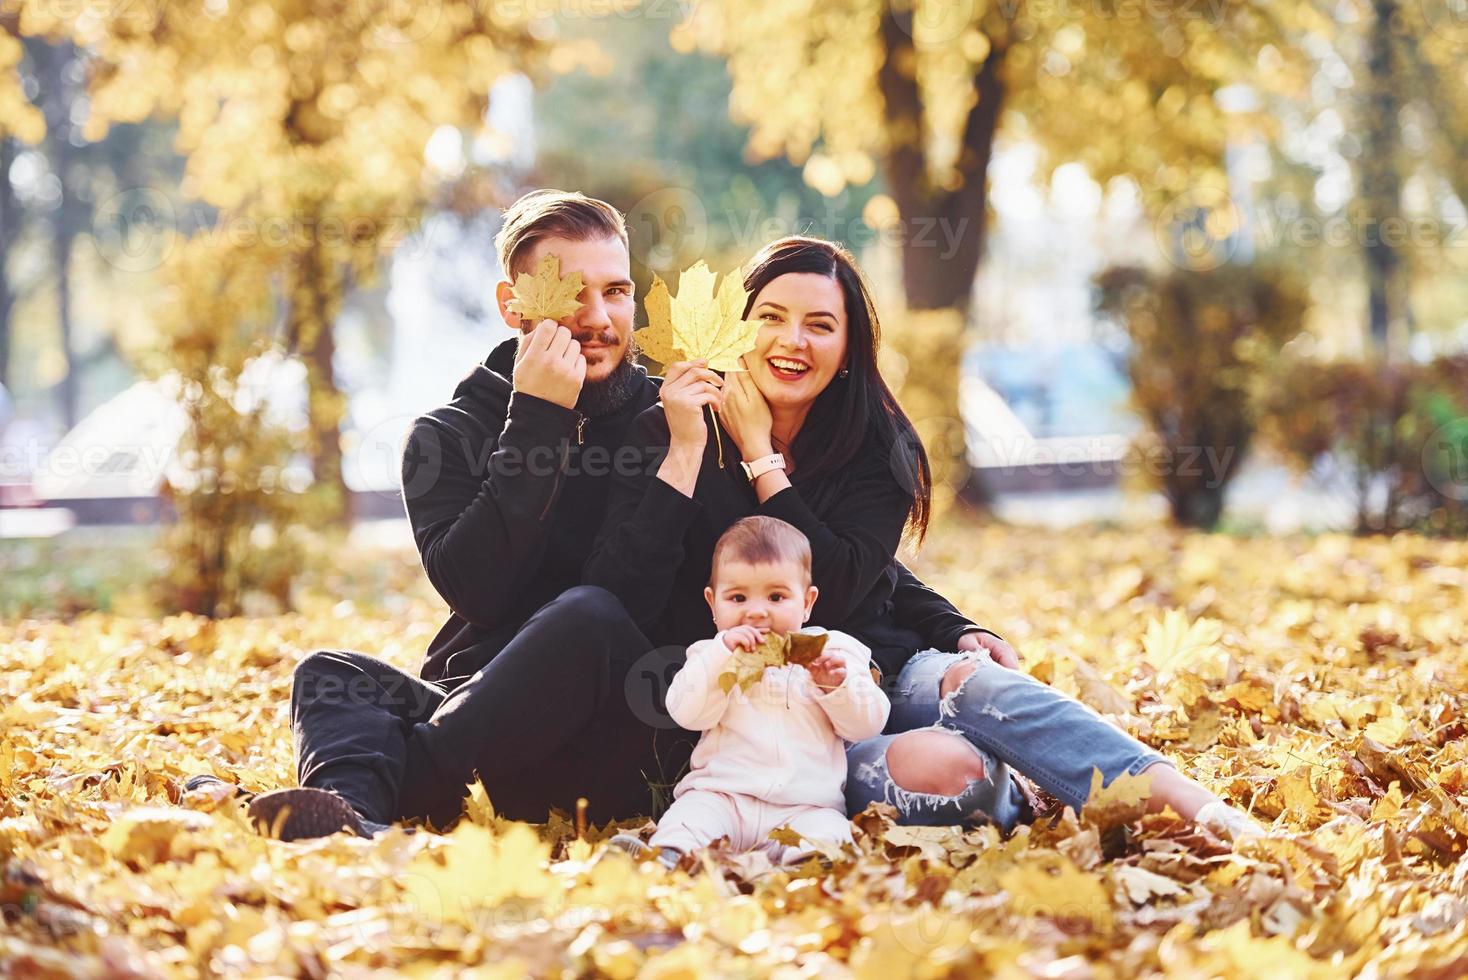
(1014, 722)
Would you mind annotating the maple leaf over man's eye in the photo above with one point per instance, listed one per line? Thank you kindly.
(547, 295)
(700, 322)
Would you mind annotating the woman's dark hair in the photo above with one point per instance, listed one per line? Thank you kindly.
(860, 406)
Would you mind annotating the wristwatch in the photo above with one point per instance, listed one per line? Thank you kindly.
(765, 464)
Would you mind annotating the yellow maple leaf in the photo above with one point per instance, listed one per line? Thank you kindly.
(775, 650)
(1389, 805)
(934, 843)
(924, 942)
(1123, 800)
(478, 870)
(1390, 729)
(700, 322)
(479, 809)
(1052, 886)
(1142, 886)
(656, 339)
(148, 835)
(746, 667)
(1172, 643)
(546, 295)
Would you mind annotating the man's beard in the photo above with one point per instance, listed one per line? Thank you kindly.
(612, 392)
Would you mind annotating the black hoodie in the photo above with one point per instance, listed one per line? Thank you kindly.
(505, 492)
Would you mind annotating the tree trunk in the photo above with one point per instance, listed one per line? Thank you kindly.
(1381, 184)
(944, 230)
(56, 105)
(943, 238)
(314, 302)
(9, 233)
(1199, 508)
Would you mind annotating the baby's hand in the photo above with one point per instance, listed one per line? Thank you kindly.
(828, 671)
(745, 637)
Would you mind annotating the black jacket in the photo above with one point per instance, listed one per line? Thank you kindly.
(505, 494)
(656, 546)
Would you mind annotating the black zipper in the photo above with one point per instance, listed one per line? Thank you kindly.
(565, 457)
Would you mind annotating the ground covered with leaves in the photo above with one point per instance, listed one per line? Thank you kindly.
(1316, 681)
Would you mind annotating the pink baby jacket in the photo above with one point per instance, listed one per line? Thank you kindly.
(783, 740)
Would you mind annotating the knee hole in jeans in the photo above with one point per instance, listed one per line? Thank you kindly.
(955, 677)
(934, 762)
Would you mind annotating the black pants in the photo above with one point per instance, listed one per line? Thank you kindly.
(572, 706)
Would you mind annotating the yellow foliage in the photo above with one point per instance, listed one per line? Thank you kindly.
(477, 871)
(807, 80)
(18, 116)
(1123, 799)
(107, 872)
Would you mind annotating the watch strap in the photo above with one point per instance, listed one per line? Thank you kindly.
(756, 468)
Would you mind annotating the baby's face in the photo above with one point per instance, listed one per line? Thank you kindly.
(776, 596)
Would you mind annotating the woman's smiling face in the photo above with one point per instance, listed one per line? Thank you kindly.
(802, 338)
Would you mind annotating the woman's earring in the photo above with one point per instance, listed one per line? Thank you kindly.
(843, 372)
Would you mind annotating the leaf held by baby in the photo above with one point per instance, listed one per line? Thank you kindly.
(748, 666)
(804, 648)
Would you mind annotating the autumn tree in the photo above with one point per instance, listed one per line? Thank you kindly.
(920, 90)
(304, 127)
(1407, 112)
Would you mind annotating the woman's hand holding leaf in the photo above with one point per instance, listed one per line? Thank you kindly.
(688, 388)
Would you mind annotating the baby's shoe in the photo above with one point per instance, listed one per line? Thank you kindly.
(668, 857)
(1228, 823)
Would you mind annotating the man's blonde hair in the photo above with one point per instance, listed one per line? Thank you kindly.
(553, 214)
(762, 540)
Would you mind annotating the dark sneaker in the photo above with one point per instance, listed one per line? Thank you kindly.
(308, 812)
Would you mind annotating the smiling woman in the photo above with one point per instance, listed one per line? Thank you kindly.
(813, 392)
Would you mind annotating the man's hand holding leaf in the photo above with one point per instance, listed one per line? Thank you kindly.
(549, 364)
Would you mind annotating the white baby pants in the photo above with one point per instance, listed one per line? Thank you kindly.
(699, 817)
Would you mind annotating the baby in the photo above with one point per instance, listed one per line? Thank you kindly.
(772, 755)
